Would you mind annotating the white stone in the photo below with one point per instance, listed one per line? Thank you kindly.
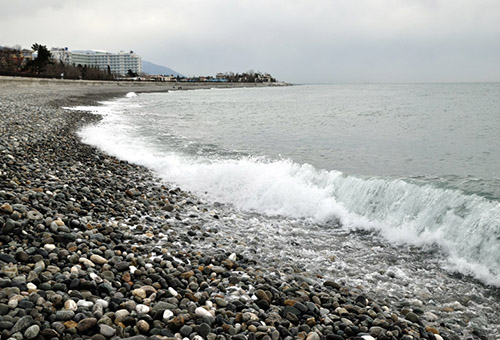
(173, 291)
(232, 257)
(49, 247)
(70, 305)
(84, 303)
(31, 287)
(167, 315)
(96, 277)
(86, 262)
(142, 309)
(102, 302)
(367, 337)
(200, 311)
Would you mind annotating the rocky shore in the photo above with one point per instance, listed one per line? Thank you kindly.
(96, 248)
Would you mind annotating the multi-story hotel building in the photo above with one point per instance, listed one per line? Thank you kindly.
(119, 63)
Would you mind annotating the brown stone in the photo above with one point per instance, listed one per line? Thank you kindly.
(187, 275)
(126, 277)
(431, 330)
(192, 297)
(177, 321)
(259, 293)
(70, 324)
(311, 322)
(6, 208)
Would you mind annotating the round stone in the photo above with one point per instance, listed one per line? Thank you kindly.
(186, 330)
(167, 315)
(139, 292)
(98, 259)
(34, 215)
(63, 315)
(86, 324)
(200, 311)
(142, 326)
(32, 332)
(313, 336)
(204, 329)
(142, 309)
(49, 247)
(70, 305)
(102, 302)
(106, 330)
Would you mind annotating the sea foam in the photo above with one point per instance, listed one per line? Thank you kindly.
(464, 227)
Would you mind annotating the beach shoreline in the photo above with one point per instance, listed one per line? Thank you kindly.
(97, 247)
(140, 86)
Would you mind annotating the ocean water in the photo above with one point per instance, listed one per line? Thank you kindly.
(400, 183)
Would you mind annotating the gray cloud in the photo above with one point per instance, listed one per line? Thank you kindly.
(296, 40)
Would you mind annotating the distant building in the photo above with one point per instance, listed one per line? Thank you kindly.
(61, 55)
(14, 58)
(119, 63)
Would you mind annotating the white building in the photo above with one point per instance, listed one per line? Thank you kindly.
(62, 55)
(119, 63)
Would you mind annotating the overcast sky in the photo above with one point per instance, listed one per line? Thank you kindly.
(302, 41)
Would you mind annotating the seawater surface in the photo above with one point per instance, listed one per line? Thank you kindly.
(399, 183)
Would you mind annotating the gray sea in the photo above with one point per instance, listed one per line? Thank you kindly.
(395, 188)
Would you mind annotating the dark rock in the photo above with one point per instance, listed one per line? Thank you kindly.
(332, 284)
(7, 258)
(6, 325)
(86, 324)
(4, 309)
(122, 266)
(22, 324)
(412, 317)
(21, 256)
(186, 330)
(49, 333)
(204, 329)
(136, 337)
(64, 315)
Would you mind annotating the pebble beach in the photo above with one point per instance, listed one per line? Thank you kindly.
(93, 247)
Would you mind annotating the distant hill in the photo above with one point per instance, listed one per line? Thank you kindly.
(151, 68)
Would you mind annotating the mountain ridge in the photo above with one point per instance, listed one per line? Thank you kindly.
(151, 68)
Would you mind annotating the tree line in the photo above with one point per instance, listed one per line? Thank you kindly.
(13, 62)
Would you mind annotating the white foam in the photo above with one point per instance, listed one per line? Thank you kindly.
(466, 227)
(131, 95)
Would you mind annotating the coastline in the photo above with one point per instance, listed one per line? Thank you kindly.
(76, 222)
(144, 86)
